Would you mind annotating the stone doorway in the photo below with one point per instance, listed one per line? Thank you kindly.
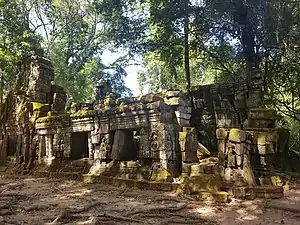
(12, 146)
(79, 145)
(123, 147)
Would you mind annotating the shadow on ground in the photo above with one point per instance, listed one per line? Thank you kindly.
(30, 200)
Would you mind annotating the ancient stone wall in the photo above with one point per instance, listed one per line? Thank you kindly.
(234, 124)
(218, 105)
(154, 137)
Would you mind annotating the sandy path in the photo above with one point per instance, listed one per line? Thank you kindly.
(30, 200)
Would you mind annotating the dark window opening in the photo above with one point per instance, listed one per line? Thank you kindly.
(12, 146)
(79, 145)
(124, 146)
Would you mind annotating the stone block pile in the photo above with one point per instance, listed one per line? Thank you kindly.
(40, 79)
(181, 106)
(234, 155)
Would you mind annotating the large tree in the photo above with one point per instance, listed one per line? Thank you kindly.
(17, 40)
(75, 35)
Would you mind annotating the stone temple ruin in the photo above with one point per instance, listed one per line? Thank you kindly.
(158, 141)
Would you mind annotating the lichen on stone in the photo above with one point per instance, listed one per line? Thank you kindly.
(54, 118)
(39, 106)
(83, 113)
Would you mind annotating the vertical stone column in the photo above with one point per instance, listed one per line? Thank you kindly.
(49, 146)
(188, 144)
(42, 148)
(55, 143)
(144, 147)
(90, 146)
(262, 123)
(105, 146)
(100, 140)
(67, 145)
(164, 147)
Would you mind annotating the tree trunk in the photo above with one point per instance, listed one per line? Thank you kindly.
(1, 89)
(242, 18)
(187, 47)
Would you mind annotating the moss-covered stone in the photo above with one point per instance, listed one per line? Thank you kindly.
(40, 106)
(150, 98)
(203, 182)
(123, 108)
(237, 135)
(220, 196)
(83, 113)
(182, 136)
(263, 113)
(161, 175)
(262, 138)
(202, 151)
(276, 180)
(54, 118)
(221, 133)
(131, 164)
(248, 174)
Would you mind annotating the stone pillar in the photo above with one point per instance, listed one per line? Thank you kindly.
(262, 123)
(164, 146)
(105, 146)
(188, 144)
(144, 147)
(42, 148)
(49, 146)
(55, 143)
(67, 145)
(90, 146)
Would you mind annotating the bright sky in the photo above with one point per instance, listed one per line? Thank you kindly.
(131, 79)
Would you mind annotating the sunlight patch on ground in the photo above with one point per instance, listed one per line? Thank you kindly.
(205, 210)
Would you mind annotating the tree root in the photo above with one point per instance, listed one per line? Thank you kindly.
(159, 209)
(68, 213)
(184, 221)
(87, 208)
(36, 207)
(120, 218)
(100, 218)
(284, 206)
(164, 214)
(93, 219)
(167, 199)
(13, 195)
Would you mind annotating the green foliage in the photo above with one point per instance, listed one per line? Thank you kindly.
(75, 41)
(17, 40)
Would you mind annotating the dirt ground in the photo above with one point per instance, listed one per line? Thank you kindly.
(30, 200)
